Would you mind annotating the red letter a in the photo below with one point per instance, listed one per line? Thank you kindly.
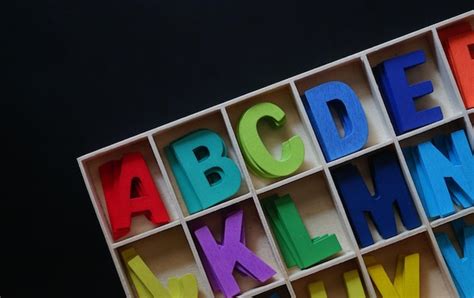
(129, 190)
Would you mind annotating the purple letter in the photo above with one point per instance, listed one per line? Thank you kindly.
(220, 260)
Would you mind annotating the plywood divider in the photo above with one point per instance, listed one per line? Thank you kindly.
(263, 220)
(332, 277)
(335, 196)
(457, 113)
(213, 121)
(452, 82)
(447, 228)
(187, 233)
(271, 137)
(432, 281)
(289, 180)
(460, 214)
(320, 216)
(140, 224)
(281, 290)
(411, 186)
(105, 230)
(146, 234)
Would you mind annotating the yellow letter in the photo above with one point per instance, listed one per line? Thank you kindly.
(317, 290)
(353, 284)
(148, 286)
(407, 278)
(183, 287)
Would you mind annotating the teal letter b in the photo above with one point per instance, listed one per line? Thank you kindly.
(204, 173)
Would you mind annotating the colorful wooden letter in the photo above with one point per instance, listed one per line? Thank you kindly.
(341, 98)
(461, 268)
(458, 43)
(296, 246)
(443, 172)
(407, 278)
(390, 189)
(254, 151)
(129, 190)
(221, 259)
(183, 287)
(148, 286)
(317, 290)
(204, 173)
(354, 286)
(399, 97)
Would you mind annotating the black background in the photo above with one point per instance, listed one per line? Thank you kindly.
(85, 74)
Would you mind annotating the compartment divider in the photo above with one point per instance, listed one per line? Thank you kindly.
(263, 220)
(335, 196)
(187, 233)
(411, 186)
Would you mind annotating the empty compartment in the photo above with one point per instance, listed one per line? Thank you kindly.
(333, 279)
(433, 70)
(433, 281)
(279, 292)
(353, 74)
(212, 121)
(443, 130)
(167, 254)
(255, 240)
(274, 137)
(140, 223)
(364, 170)
(320, 216)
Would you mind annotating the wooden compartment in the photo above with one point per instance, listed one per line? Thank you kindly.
(433, 281)
(281, 291)
(467, 18)
(470, 20)
(320, 216)
(445, 227)
(255, 237)
(272, 137)
(362, 164)
(470, 126)
(140, 224)
(333, 279)
(433, 69)
(168, 254)
(212, 121)
(353, 73)
(444, 129)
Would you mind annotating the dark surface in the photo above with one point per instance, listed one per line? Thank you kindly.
(85, 74)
